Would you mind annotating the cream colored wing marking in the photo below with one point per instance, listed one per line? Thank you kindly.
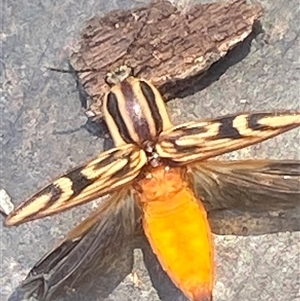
(92, 259)
(252, 186)
(194, 141)
(111, 170)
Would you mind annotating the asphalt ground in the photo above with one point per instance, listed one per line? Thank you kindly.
(37, 104)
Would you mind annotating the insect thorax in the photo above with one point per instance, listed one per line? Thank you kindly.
(135, 112)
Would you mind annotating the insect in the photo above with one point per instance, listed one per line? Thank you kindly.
(161, 175)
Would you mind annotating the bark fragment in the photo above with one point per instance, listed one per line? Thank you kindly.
(160, 43)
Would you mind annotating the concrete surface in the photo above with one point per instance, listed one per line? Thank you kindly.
(36, 104)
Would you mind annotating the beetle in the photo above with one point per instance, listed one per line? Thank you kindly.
(160, 175)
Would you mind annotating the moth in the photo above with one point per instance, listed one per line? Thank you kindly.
(161, 177)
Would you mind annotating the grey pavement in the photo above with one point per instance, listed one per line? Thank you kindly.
(37, 103)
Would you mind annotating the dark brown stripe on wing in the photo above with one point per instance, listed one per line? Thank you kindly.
(79, 181)
(113, 156)
(54, 191)
(226, 129)
(254, 121)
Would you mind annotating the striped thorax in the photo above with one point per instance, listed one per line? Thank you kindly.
(135, 112)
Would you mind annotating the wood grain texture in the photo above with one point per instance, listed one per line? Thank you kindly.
(160, 43)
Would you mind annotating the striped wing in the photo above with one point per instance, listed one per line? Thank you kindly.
(91, 260)
(108, 172)
(196, 141)
(249, 197)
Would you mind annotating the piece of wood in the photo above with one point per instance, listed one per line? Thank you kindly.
(160, 43)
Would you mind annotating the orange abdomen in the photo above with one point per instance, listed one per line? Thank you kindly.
(176, 225)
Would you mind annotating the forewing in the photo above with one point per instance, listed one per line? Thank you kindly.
(108, 172)
(249, 197)
(196, 141)
(92, 259)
